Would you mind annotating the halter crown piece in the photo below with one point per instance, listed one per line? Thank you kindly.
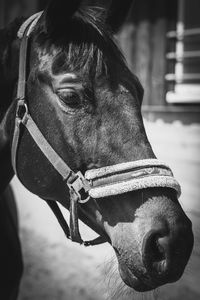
(97, 183)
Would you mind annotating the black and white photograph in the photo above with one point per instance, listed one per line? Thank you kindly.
(99, 150)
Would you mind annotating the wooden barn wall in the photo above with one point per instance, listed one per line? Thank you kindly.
(143, 41)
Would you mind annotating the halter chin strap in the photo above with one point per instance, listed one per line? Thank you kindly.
(97, 183)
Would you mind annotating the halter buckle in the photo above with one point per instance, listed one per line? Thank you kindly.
(78, 184)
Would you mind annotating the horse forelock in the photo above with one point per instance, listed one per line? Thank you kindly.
(85, 46)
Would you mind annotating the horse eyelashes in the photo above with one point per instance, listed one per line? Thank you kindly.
(70, 98)
(89, 95)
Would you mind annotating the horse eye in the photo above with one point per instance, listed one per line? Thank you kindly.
(70, 97)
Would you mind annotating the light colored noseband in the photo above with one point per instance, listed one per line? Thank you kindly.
(97, 183)
(130, 176)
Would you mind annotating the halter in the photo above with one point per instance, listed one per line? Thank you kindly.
(97, 183)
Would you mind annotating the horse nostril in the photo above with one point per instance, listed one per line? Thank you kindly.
(160, 261)
(156, 253)
(165, 253)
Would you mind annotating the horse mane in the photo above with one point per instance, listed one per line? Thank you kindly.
(8, 51)
(86, 44)
(7, 36)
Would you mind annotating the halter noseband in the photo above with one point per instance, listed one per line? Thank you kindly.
(97, 183)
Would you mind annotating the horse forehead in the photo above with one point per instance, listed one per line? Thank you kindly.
(45, 58)
(45, 63)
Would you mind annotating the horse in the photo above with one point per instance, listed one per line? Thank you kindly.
(72, 131)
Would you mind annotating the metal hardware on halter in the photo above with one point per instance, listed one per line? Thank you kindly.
(21, 111)
(79, 185)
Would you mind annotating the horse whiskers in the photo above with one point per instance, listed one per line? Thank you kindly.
(117, 288)
(118, 293)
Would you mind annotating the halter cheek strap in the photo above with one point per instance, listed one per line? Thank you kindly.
(75, 182)
(98, 183)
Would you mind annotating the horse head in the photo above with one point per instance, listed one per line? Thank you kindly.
(87, 104)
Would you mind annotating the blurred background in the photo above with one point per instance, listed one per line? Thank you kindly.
(161, 42)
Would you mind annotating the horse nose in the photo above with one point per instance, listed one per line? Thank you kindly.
(166, 251)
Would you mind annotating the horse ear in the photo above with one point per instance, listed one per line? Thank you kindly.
(117, 13)
(58, 13)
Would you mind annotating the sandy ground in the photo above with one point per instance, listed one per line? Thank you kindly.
(56, 269)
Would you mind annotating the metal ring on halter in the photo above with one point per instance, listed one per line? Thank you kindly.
(22, 108)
